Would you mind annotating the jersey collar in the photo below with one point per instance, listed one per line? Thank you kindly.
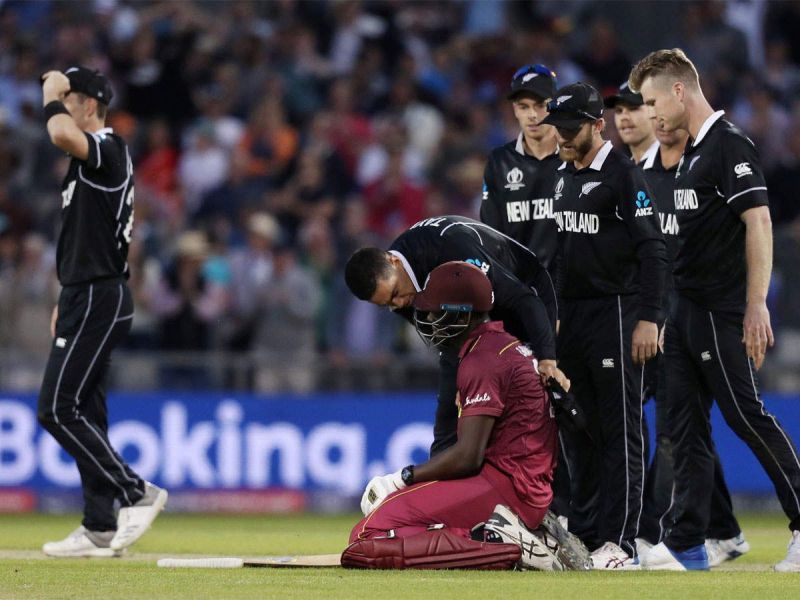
(407, 268)
(103, 131)
(520, 146)
(474, 335)
(605, 150)
(649, 157)
(706, 126)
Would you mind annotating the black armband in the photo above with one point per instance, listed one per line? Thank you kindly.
(56, 107)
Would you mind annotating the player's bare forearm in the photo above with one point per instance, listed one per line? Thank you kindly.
(462, 459)
(758, 249)
(758, 252)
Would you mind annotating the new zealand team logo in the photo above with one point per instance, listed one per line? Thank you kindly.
(514, 179)
(644, 207)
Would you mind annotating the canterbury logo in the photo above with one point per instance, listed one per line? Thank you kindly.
(742, 169)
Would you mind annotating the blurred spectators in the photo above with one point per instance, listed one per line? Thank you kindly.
(271, 139)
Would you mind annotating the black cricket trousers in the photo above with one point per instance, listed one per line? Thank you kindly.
(92, 320)
(706, 361)
(607, 464)
(659, 489)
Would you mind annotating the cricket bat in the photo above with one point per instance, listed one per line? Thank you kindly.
(300, 561)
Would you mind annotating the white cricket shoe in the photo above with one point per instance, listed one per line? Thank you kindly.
(536, 555)
(661, 558)
(721, 550)
(611, 557)
(134, 520)
(792, 560)
(82, 543)
(642, 546)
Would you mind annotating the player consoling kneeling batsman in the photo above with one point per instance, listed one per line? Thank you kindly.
(481, 503)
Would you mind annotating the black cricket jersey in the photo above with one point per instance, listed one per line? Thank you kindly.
(97, 212)
(518, 198)
(719, 177)
(610, 240)
(661, 182)
(524, 296)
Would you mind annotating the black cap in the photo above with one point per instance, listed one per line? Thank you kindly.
(536, 80)
(624, 96)
(573, 105)
(90, 82)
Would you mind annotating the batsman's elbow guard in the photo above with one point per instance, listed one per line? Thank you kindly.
(433, 549)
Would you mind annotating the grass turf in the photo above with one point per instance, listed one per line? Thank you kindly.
(24, 574)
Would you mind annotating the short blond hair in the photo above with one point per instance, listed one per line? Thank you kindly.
(673, 63)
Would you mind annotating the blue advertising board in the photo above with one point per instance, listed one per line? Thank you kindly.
(321, 442)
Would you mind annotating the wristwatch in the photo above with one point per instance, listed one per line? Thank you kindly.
(407, 474)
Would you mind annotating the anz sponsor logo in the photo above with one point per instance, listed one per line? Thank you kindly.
(527, 210)
(686, 199)
(514, 179)
(644, 207)
(669, 224)
(575, 222)
(483, 266)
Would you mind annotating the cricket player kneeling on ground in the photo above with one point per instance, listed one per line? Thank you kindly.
(481, 503)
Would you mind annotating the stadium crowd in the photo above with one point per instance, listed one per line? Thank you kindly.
(271, 139)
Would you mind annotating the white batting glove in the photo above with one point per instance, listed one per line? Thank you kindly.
(378, 489)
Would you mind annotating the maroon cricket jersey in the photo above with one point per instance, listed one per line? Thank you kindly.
(497, 378)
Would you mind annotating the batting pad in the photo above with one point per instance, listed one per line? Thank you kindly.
(310, 560)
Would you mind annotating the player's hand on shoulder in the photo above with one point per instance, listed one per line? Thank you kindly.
(378, 489)
(548, 369)
(644, 343)
(757, 332)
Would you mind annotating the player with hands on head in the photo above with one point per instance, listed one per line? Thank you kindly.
(500, 468)
(93, 314)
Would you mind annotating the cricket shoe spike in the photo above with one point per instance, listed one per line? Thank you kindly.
(661, 558)
(82, 543)
(133, 521)
(570, 550)
(505, 526)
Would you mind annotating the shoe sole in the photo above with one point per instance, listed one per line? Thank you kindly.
(99, 553)
(572, 552)
(157, 506)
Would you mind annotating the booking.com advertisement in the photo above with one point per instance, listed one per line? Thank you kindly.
(244, 453)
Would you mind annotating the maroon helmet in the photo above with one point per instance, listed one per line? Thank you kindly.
(453, 291)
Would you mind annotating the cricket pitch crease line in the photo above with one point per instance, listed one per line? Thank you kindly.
(230, 562)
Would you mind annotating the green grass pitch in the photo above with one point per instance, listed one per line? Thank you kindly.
(26, 573)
